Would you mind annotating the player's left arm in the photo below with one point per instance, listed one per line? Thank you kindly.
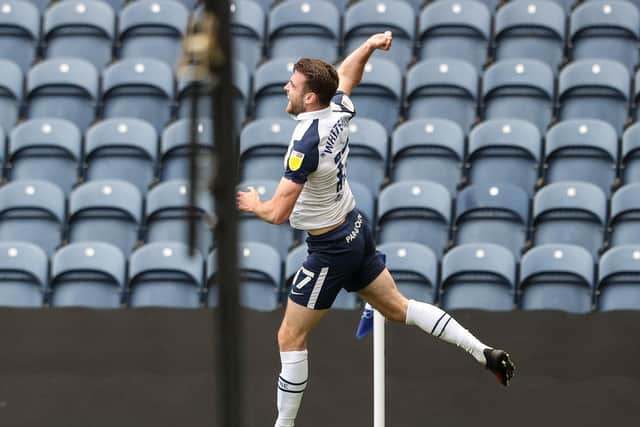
(278, 208)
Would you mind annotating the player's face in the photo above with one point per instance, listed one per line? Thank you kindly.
(296, 90)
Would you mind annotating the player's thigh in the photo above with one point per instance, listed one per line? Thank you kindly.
(383, 295)
(296, 325)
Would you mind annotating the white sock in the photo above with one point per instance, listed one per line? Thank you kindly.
(441, 325)
(291, 385)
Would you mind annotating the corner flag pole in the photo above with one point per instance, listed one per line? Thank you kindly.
(378, 370)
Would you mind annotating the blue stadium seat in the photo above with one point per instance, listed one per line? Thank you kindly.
(138, 88)
(23, 274)
(123, 149)
(300, 28)
(624, 222)
(414, 268)
(480, 276)
(594, 89)
(268, 87)
(557, 277)
(260, 277)
(152, 29)
(455, 29)
(19, 32)
(89, 274)
(443, 88)
(519, 89)
(618, 287)
(108, 211)
(263, 145)
(415, 211)
(636, 96)
(365, 200)
(63, 88)
(379, 95)
(252, 228)
(570, 212)
(430, 150)
(247, 31)
(33, 212)
(165, 274)
(80, 30)
(606, 30)
(496, 214)
(344, 301)
(367, 162)
(534, 29)
(630, 155)
(11, 82)
(47, 150)
(367, 17)
(168, 210)
(176, 148)
(505, 151)
(582, 150)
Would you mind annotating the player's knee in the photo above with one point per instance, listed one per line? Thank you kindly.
(397, 313)
(290, 339)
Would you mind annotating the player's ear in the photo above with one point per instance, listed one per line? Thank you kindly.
(310, 98)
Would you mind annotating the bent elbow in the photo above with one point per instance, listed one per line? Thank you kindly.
(280, 219)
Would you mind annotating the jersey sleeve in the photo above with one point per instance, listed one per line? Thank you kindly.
(302, 158)
(343, 104)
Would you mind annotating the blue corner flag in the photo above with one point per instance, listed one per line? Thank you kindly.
(366, 322)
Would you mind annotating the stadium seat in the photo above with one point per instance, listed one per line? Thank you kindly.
(594, 89)
(618, 287)
(582, 150)
(300, 28)
(505, 151)
(367, 17)
(344, 301)
(496, 214)
(365, 201)
(367, 162)
(443, 88)
(519, 89)
(247, 32)
(251, 228)
(534, 29)
(152, 29)
(260, 277)
(10, 93)
(636, 96)
(176, 149)
(379, 94)
(80, 30)
(88, 274)
(19, 33)
(268, 87)
(263, 146)
(47, 150)
(605, 30)
(32, 212)
(630, 155)
(570, 212)
(266, 4)
(455, 29)
(430, 150)
(415, 211)
(557, 277)
(108, 211)
(138, 88)
(168, 210)
(165, 274)
(414, 268)
(63, 88)
(624, 222)
(480, 276)
(23, 274)
(123, 149)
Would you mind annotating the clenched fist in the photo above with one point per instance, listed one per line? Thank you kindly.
(381, 41)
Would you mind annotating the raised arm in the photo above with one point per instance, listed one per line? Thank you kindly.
(351, 69)
(278, 208)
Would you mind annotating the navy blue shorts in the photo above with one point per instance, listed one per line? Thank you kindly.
(345, 257)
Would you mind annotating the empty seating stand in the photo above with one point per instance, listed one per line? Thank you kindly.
(24, 271)
(19, 32)
(11, 92)
(414, 268)
(617, 287)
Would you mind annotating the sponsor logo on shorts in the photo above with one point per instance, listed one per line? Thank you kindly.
(356, 229)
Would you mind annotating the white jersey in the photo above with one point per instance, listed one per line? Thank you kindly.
(317, 158)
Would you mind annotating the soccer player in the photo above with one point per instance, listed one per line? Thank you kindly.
(314, 196)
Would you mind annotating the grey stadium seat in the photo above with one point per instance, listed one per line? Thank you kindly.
(263, 146)
(11, 92)
(624, 222)
(365, 201)
(247, 31)
(19, 32)
(618, 287)
(630, 155)
(176, 147)
(367, 162)
(414, 268)
(268, 86)
(23, 274)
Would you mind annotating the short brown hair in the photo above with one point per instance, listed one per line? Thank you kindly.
(322, 78)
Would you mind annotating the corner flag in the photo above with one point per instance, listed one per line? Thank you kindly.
(366, 322)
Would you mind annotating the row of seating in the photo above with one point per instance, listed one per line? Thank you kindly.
(43, 5)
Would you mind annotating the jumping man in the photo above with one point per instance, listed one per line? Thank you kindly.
(314, 195)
